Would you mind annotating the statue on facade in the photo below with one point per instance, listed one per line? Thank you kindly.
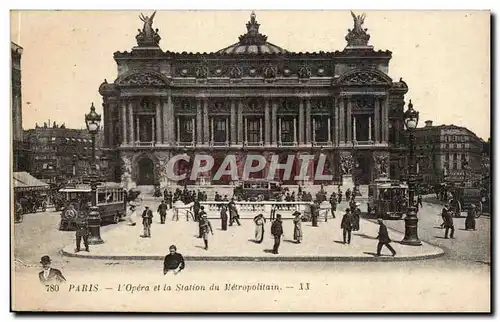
(148, 36)
(358, 37)
(358, 22)
(381, 169)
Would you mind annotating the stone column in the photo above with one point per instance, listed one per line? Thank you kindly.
(158, 123)
(267, 122)
(386, 119)
(240, 122)
(279, 131)
(131, 123)
(123, 116)
(178, 133)
(171, 120)
(329, 130)
(336, 120)
(164, 122)
(369, 127)
(206, 129)
(308, 121)
(349, 120)
(301, 122)
(294, 130)
(354, 128)
(153, 127)
(273, 122)
(377, 120)
(342, 125)
(234, 128)
(137, 129)
(198, 131)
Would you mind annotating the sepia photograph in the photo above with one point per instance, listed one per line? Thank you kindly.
(250, 161)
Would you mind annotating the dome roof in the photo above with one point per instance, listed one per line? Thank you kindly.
(252, 42)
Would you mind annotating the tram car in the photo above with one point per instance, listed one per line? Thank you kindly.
(385, 199)
(111, 202)
(258, 190)
(464, 198)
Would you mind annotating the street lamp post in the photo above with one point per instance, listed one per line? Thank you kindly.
(411, 220)
(92, 121)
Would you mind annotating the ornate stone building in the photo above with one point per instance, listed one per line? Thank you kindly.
(253, 97)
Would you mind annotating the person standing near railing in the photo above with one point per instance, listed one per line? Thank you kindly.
(233, 213)
(223, 216)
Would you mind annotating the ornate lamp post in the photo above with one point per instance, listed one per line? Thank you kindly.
(93, 121)
(411, 220)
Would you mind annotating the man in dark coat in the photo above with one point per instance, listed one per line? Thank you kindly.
(333, 203)
(314, 213)
(223, 217)
(147, 220)
(470, 221)
(162, 210)
(173, 261)
(49, 275)
(82, 232)
(233, 213)
(205, 228)
(196, 209)
(346, 226)
(200, 214)
(419, 201)
(448, 223)
(383, 238)
(277, 232)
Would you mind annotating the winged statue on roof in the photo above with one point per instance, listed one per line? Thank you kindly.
(358, 21)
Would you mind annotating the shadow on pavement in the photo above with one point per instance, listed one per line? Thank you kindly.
(338, 241)
(269, 251)
(371, 253)
(365, 236)
(289, 241)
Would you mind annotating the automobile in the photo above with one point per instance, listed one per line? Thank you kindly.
(385, 198)
(111, 203)
(258, 190)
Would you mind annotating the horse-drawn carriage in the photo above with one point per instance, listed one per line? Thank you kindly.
(31, 203)
(258, 190)
(463, 199)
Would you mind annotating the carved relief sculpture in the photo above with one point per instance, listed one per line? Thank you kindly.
(304, 72)
(142, 79)
(346, 164)
(202, 70)
(364, 77)
(126, 166)
(381, 165)
(270, 71)
(235, 72)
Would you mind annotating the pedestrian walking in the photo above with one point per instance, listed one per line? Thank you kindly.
(356, 216)
(223, 216)
(259, 221)
(297, 227)
(196, 209)
(233, 213)
(339, 195)
(277, 232)
(314, 213)
(147, 220)
(201, 213)
(173, 261)
(419, 201)
(131, 216)
(82, 232)
(333, 203)
(470, 220)
(206, 227)
(162, 210)
(448, 224)
(346, 226)
(348, 194)
(443, 214)
(383, 238)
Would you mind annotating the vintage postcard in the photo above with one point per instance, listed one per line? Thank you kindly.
(251, 161)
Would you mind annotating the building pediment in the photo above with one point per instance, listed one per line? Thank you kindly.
(362, 77)
(142, 78)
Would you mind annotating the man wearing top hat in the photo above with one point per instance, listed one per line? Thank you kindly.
(49, 275)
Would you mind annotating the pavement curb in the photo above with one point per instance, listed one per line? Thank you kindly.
(266, 258)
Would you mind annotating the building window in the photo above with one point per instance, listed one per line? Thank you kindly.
(253, 130)
(287, 135)
(185, 129)
(219, 130)
(320, 128)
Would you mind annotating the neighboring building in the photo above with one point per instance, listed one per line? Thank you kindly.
(20, 147)
(61, 154)
(448, 153)
(253, 97)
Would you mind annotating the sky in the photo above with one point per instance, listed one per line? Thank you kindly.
(443, 56)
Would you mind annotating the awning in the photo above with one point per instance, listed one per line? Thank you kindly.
(23, 181)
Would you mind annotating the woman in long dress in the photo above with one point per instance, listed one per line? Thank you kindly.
(297, 227)
(131, 216)
(259, 221)
(470, 221)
